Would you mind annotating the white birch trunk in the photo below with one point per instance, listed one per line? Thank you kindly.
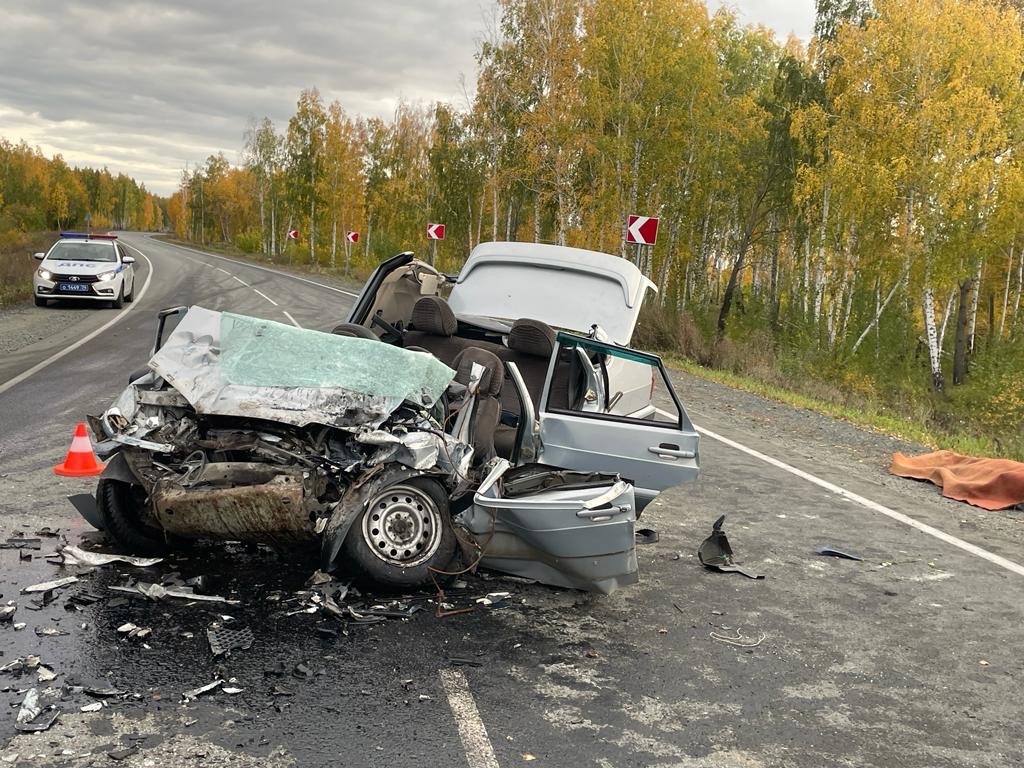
(334, 240)
(945, 318)
(931, 332)
(880, 308)
(974, 305)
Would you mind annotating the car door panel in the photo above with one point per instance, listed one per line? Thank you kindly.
(576, 529)
(654, 446)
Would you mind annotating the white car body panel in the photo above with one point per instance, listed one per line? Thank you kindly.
(507, 280)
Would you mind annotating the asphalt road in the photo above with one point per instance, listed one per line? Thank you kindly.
(910, 657)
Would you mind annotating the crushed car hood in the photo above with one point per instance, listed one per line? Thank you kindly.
(234, 365)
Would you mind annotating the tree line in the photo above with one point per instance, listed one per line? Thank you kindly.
(37, 193)
(850, 203)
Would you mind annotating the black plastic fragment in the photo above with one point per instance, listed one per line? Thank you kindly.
(223, 639)
(830, 552)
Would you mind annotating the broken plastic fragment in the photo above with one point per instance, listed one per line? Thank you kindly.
(96, 706)
(223, 639)
(33, 717)
(195, 693)
(48, 585)
(232, 691)
(715, 552)
(74, 556)
(44, 674)
(158, 591)
(830, 552)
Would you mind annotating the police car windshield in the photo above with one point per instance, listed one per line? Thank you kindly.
(83, 251)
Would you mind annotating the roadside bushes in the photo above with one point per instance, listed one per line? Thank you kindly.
(17, 264)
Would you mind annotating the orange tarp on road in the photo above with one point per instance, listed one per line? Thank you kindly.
(986, 483)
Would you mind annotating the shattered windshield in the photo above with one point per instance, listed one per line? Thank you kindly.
(235, 365)
(82, 251)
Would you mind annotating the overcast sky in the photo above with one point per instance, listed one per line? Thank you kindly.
(144, 87)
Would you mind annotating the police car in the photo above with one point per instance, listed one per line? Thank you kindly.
(85, 266)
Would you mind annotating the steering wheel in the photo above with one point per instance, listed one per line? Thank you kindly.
(395, 331)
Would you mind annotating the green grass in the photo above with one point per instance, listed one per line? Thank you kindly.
(17, 264)
(875, 419)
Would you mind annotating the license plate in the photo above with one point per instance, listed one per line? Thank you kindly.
(74, 288)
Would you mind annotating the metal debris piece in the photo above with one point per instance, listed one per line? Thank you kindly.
(124, 629)
(33, 717)
(21, 542)
(195, 693)
(84, 598)
(7, 613)
(830, 552)
(103, 693)
(44, 674)
(74, 556)
(232, 691)
(318, 577)
(49, 632)
(49, 533)
(21, 664)
(158, 592)
(715, 552)
(96, 706)
(494, 598)
(222, 639)
(46, 586)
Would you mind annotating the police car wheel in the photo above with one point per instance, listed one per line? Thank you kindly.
(119, 301)
(40, 302)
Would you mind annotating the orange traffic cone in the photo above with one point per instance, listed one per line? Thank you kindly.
(80, 461)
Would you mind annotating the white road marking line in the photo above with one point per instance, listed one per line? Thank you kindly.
(286, 314)
(475, 743)
(220, 269)
(264, 269)
(68, 350)
(235, 277)
(1002, 562)
(261, 293)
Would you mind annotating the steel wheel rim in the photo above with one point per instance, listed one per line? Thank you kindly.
(402, 526)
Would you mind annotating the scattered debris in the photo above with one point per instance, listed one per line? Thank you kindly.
(33, 717)
(646, 536)
(96, 706)
(132, 632)
(830, 552)
(123, 754)
(222, 639)
(7, 613)
(48, 585)
(19, 625)
(103, 693)
(458, 661)
(49, 533)
(195, 693)
(493, 598)
(71, 555)
(49, 632)
(715, 552)
(20, 665)
(158, 592)
(232, 691)
(20, 542)
(740, 640)
(44, 674)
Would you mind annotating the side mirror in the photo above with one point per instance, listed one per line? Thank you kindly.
(128, 260)
(39, 256)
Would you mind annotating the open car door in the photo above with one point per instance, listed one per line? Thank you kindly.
(607, 408)
(385, 303)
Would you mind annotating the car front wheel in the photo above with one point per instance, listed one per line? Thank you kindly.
(119, 301)
(404, 537)
(121, 506)
(40, 302)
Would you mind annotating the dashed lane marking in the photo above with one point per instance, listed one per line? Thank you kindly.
(72, 347)
(236, 277)
(261, 293)
(263, 269)
(292, 319)
(472, 732)
(966, 546)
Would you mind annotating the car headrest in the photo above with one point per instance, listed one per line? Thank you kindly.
(354, 330)
(432, 315)
(532, 337)
(492, 379)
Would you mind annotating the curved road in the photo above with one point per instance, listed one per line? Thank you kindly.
(910, 656)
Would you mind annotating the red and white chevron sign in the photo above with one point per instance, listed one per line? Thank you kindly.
(293, 234)
(435, 231)
(642, 230)
(352, 237)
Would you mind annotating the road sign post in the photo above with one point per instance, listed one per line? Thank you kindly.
(435, 232)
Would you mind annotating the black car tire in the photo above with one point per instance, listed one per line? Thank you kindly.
(120, 506)
(119, 301)
(419, 505)
(131, 296)
(40, 301)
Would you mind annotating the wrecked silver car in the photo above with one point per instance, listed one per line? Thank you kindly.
(404, 461)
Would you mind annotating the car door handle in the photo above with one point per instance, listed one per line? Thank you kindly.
(605, 512)
(671, 451)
